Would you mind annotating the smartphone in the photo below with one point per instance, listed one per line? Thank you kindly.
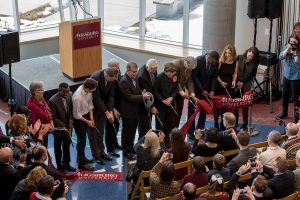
(170, 156)
(156, 131)
(226, 132)
(57, 182)
(243, 191)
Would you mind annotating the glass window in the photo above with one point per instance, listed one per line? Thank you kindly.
(196, 22)
(164, 21)
(6, 15)
(38, 13)
(122, 16)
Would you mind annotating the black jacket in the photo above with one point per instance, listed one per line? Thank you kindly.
(130, 99)
(9, 178)
(103, 96)
(163, 88)
(204, 78)
(60, 115)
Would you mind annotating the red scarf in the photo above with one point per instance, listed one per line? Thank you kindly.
(44, 106)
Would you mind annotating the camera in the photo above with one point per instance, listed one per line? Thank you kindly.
(294, 47)
(226, 132)
(156, 131)
(252, 162)
(57, 182)
(243, 191)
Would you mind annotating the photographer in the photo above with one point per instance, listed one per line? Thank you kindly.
(20, 130)
(291, 74)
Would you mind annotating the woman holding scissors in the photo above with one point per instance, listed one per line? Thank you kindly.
(247, 68)
(227, 74)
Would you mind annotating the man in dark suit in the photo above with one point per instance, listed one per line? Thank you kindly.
(245, 153)
(164, 91)
(9, 176)
(111, 129)
(204, 77)
(280, 179)
(103, 100)
(62, 109)
(184, 67)
(131, 97)
(40, 156)
(145, 79)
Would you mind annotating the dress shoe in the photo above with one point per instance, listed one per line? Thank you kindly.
(244, 127)
(130, 156)
(99, 161)
(117, 146)
(60, 168)
(69, 167)
(86, 167)
(282, 116)
(113, 153)
(84, 160)
(106, 157)
(191, 136)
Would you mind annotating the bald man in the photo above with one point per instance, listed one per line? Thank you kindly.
(9, 176)
(189, 191)
(292, 144)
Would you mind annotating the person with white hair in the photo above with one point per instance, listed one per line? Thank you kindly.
(292, 144)
(297, 171)
(145, 78)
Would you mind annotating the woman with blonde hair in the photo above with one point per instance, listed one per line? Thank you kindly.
(227, 75)
(28, 185)
(148, 149)
(19, 129)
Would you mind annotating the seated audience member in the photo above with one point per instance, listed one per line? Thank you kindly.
(28, 185)
(210, 147)
(297, 171)
(189, 192)
(280, 179)
(225, 141)
(215, 189)
(162, 179)
(219, 163)
(259, 184)
(180, 150)
(19, 130)
(20, 110)
(45, 188)
(199, 176)
(39, 109)
(9, 176)
(40, 156)
(273, 151)
(292, 144)
(149, 150)
(245, 153)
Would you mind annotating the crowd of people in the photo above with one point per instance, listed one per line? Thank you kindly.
(134, 98)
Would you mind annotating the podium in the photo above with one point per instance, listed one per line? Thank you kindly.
(80, 48)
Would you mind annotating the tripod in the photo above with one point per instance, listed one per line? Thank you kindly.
(267, 82)
(11, 101)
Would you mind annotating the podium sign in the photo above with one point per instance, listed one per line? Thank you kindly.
(80, 48)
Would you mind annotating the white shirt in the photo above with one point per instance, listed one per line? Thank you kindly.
(269, 156)
(82, 103)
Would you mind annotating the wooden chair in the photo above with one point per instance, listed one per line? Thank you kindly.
(293, 196)
(178, 196)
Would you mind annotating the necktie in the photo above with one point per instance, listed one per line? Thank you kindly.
(152, 77)
(65, 103)
(133, 81)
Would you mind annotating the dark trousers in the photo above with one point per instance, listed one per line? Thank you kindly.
(290, 87)
(179, 106)
(95, 137)
(111, 139)
(144, 123)
(62, 149)
(201, 119)
(128, 133)
(217, 113)
(244, 113)
(81, 129)
(167, 118)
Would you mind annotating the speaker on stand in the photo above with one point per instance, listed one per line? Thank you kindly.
(9, 53)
